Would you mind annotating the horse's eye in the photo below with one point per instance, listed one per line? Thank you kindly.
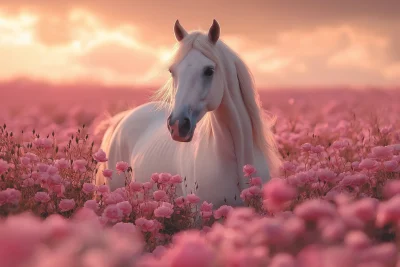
(209, 71)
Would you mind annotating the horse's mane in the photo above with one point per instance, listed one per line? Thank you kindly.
(262, 133)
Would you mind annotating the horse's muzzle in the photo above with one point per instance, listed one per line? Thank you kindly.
(181, 128)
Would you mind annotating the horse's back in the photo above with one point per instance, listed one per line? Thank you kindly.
(124, 133)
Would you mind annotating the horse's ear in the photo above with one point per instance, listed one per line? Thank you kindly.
(179, 31)
(213, 33)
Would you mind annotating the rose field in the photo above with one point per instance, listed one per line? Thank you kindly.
(335, 202)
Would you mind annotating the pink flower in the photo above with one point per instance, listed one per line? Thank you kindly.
(340, 144)
(114, 198)
(79, 165)
(107, 173)
(357, 240)
(88, 188)
(135, 186)
(155, 177)
(42, 197)
(288, 166)
(103, 189)
(92, 204)
(62, 163)
(388, 211)
(159, 195)
(282, 260)
(256, 181)
(192, 198)
(390, 165)
(100, 156)
(354, 180)
(176, 179)
(191, 251)
(3, 166)
(277, 190)
(66, 205)
(368, 164)
(163, 212)
(206, 210)
(112, 213)
(306, 147)
(122, 166)
(145, 225)
(10, 195)
(382, 152)
(255, 190)
(317, 149)
(391, 188)
(164, 178)
(125, 228)
(249, 170)
(222, 211)
(126, 207)
(326, 175)
(315, 209)
(180, 201)
(25, 160)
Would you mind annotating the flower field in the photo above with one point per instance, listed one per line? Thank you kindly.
(336, 201)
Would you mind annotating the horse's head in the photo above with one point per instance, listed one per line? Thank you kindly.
(198, 85)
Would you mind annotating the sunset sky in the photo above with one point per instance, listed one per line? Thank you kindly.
(285, 43)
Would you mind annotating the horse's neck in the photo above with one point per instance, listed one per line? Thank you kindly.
(231, 121)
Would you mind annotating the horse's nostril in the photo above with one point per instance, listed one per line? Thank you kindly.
(186, 123)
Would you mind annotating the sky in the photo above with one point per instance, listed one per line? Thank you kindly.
(128, 42)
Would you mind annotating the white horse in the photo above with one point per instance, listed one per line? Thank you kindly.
(206, 125)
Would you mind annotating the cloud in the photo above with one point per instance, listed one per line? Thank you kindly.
(106, 44)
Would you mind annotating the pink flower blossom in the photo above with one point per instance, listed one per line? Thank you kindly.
(159, 195)
(164, 178)
(66, 205)
(368, 164)
(125, 207)
(306, 147)
(357, 239)
(88, 188)
(113, 213)
(107, 173)
(278, 191)
(176, 179)
(80, 165)
(340, 144)
(192, 198)
(222, 211)
(163, 212)
(155, 177)
(122, 166)
(282, 260)
(103, 189)
(92, 204)
(391, 165)
(256, 181)
(145, 225)
(180, 201)
(382, 152)
(10, 195)
(315, 209)
(100, 156)
(3, 166)
(249, 170)
(391, 189)
(191, 251)
(135, 186)
(42, 197)
(62, 164)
